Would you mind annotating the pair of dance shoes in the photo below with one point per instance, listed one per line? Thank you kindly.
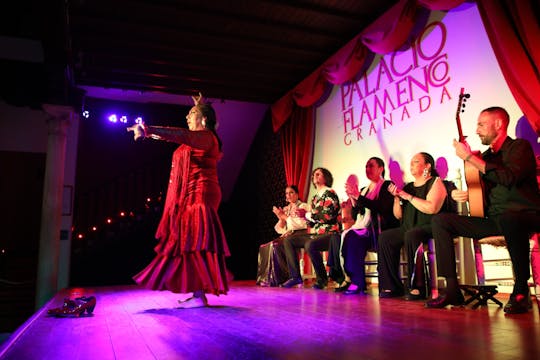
(75, 308)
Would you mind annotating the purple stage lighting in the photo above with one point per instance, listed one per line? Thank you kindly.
(124, 119)
(138, 120)
(86, 114)
(113, 118)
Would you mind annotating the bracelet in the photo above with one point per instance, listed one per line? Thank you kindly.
(468, 157)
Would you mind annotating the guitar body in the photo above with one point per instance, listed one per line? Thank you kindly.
(472, 175)
(474, 187)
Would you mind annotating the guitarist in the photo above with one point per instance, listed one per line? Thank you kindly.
(512, 208)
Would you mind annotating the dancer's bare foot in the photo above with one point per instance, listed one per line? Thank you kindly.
(197, 300)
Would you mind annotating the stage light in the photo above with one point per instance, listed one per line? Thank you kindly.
(86, 114)
(113, 118)
(138, 120)
(124, 119)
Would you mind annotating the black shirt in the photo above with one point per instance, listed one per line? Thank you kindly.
(510, 179)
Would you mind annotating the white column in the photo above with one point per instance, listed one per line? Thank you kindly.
(51, 213)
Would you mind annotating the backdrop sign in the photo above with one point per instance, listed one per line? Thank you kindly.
(405, 102)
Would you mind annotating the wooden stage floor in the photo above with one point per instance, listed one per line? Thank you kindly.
(252, 322)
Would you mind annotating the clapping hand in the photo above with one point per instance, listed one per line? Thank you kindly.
(301, 213)
(352, 191)
(277, 211)
(393, 189)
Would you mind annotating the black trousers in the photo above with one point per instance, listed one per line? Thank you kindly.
(354, 245)
(313, 245)
(515, 226)
(389, 253)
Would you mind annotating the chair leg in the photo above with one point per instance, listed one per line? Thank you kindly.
(431, 268)
(535, 264)
(479, 262)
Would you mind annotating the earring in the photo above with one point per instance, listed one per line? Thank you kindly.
(425, 173)
(203, 123)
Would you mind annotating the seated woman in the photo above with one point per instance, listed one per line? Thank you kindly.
(372, 211)
(414, 205)
(323, 224)
(272, 268)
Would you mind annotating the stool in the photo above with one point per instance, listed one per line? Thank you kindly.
(500, 241)
(481, 293)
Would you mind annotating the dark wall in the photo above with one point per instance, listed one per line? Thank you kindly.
(247, 217)
(21, 189)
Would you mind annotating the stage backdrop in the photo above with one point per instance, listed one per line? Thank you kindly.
(406, 102)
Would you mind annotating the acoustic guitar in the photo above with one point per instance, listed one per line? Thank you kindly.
(472, 175)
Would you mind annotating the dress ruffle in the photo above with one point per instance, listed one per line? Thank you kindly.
(176, 273)
(192, 259)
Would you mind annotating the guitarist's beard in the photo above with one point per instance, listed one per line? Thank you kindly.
(487, 139)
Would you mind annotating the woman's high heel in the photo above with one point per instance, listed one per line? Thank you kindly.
(74, 308)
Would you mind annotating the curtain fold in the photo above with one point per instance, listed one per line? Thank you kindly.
(514, 33)
(297, 137)
(392, 29)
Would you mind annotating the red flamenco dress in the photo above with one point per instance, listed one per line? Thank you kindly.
(192, 247)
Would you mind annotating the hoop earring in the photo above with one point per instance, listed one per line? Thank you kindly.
(425, 173)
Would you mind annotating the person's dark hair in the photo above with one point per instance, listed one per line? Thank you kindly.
(429, 160)
(211, 119)
(379, 162)
(294, 187)
(500, 112)
(328, 178)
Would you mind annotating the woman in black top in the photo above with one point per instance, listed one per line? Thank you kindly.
(414, 205)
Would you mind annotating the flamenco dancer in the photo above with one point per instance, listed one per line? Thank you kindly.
(191, 249)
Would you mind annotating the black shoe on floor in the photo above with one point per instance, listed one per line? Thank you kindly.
(442, 301)
(390, 294)
(291, 282)
(518, 304)
(343, 287)
(320, 284)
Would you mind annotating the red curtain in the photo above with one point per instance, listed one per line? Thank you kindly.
(297, 145)
(514, 33)
(513, 30)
